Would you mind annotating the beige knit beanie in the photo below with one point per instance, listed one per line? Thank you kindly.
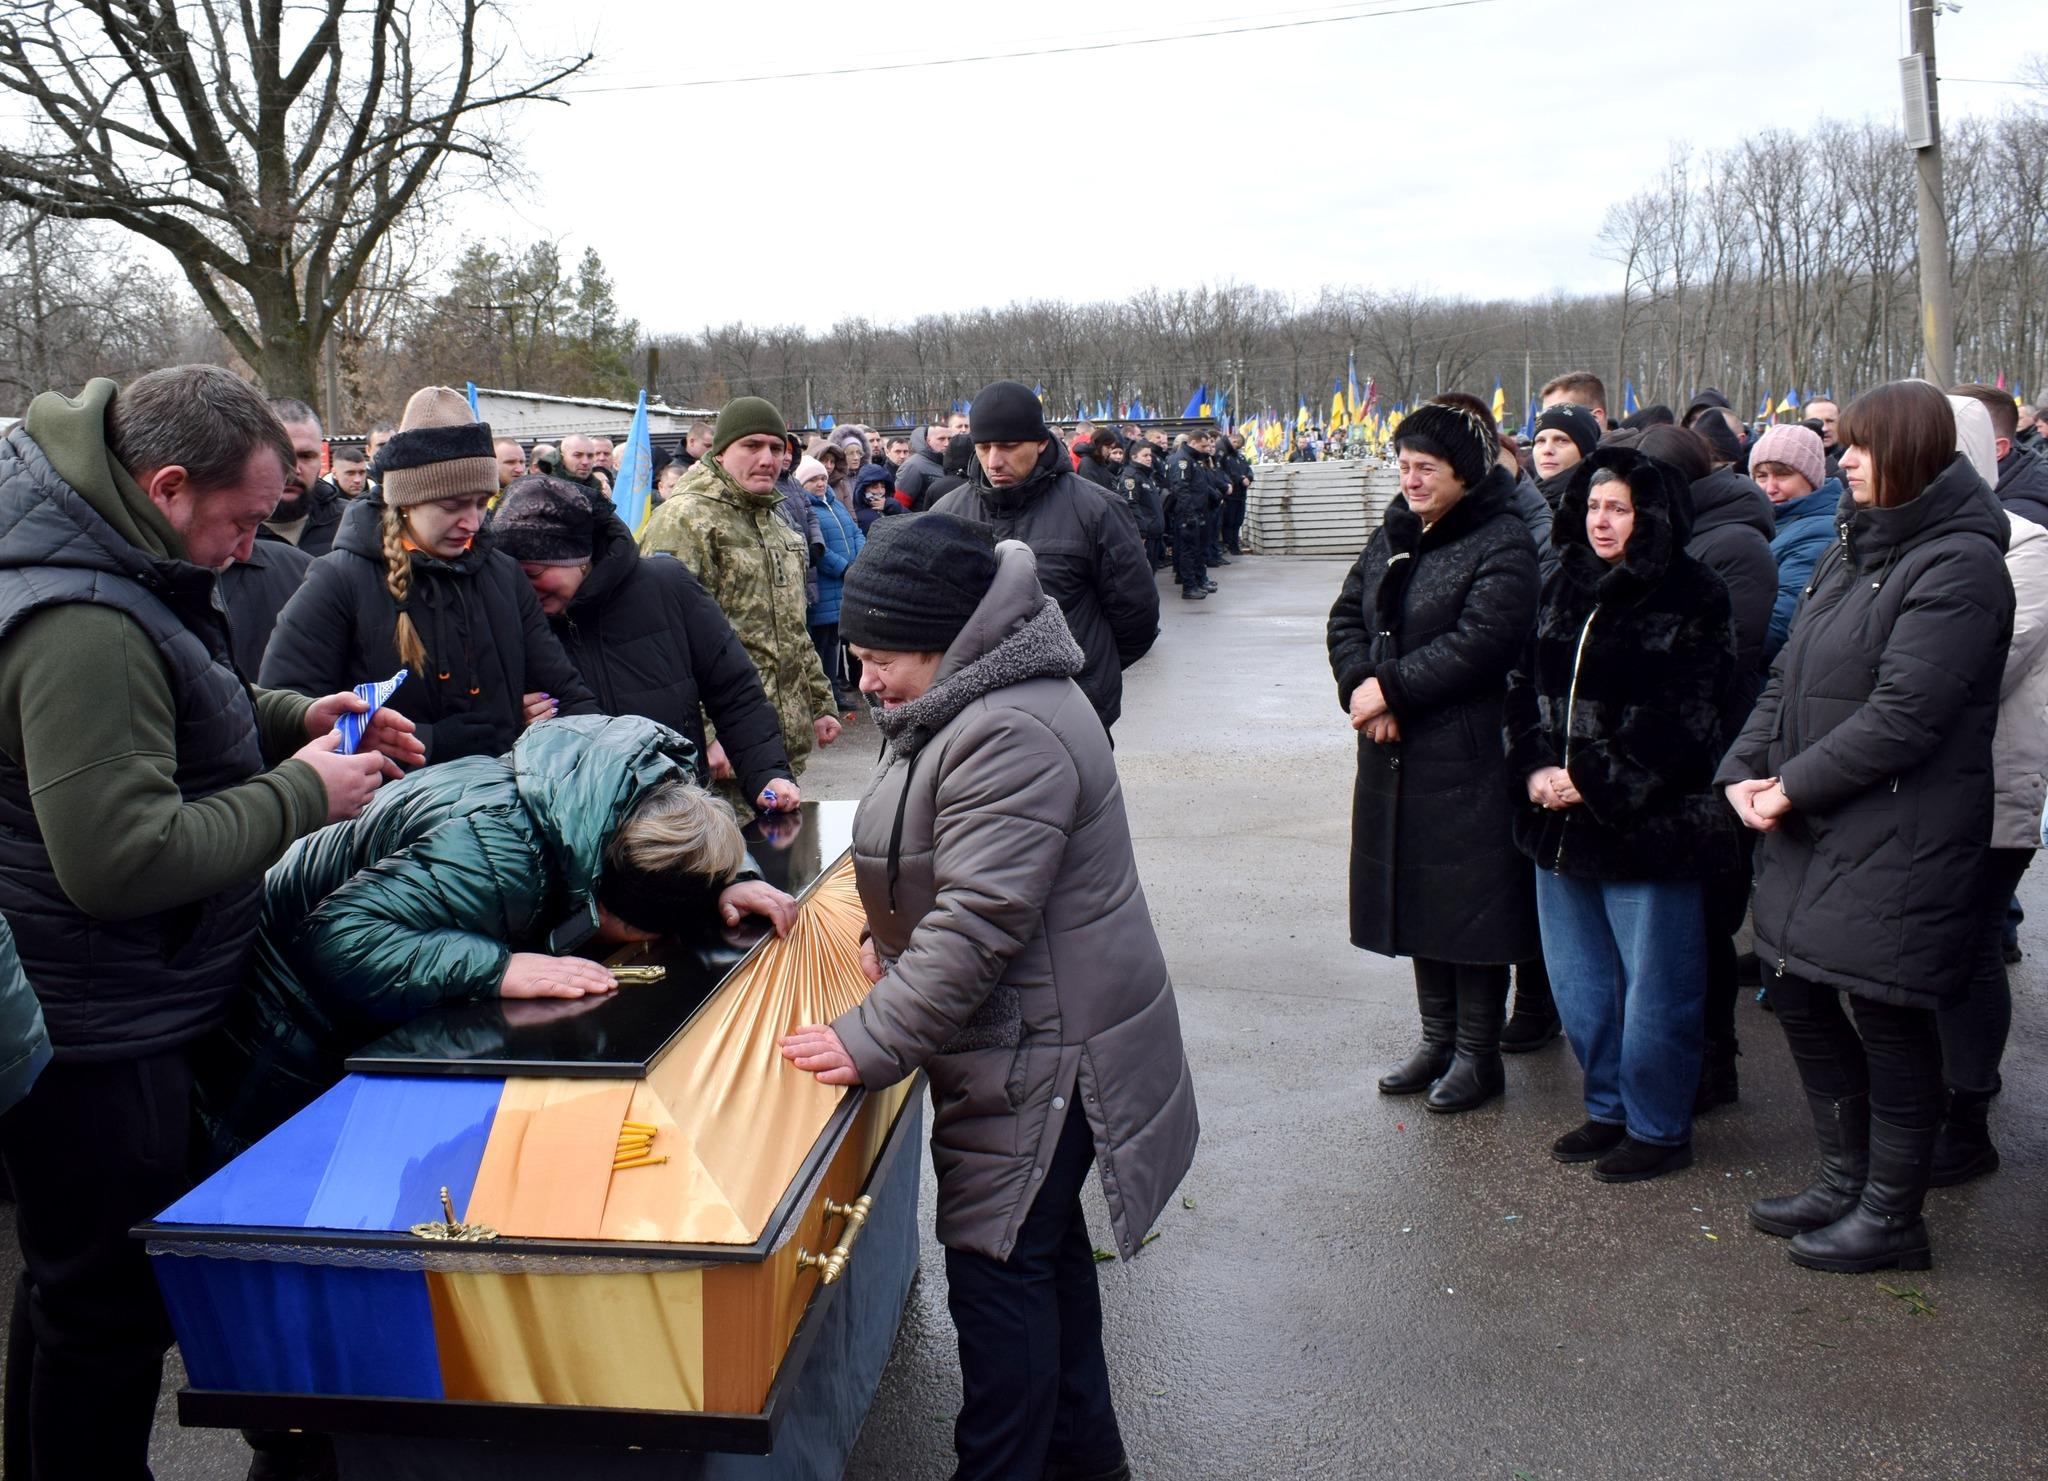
(440, 451)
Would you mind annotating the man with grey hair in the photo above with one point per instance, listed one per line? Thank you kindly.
(145, 786)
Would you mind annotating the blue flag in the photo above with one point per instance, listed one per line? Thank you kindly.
(1196, 402)
(633, 489)
(1628, 398)
(472, 401)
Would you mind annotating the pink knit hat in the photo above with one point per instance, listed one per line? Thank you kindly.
(1798, 448)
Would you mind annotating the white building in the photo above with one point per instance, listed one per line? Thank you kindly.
(529, 415)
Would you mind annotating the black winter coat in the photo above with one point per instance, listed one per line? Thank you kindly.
(1732, 525)
(255, 592)
(2023, 484)
(1624, 685)
(648, 639)
(1878, 720)
(1140, 488)
(914, 478)
(1439, 618)
(1090, 561)
(1098, 472)
(488, 645)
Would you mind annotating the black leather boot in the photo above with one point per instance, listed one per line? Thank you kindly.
(1475, 1076)
(1436, 996)
(1718, 1086)
(1842, 1127)
(1534, 1022)
(1963, 1150)
(1884, 1230)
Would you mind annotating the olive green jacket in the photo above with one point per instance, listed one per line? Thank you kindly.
(753, 565)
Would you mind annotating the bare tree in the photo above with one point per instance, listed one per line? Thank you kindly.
(270, 153)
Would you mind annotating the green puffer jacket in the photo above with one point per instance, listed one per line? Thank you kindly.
(24, 1042)
(422, 901)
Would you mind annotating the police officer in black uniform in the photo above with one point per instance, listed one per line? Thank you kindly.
(1193, 495)
(1237, 468)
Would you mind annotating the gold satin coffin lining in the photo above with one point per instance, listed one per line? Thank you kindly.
(732, 1116)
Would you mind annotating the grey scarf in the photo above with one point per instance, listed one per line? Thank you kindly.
(1041, 648)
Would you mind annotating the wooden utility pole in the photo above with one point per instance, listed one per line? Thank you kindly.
(1923, 135)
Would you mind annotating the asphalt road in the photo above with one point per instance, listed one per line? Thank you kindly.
(1350, 1286)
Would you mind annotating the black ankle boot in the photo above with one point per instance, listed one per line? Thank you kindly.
(1475, 1076)
(1884, 1230)
(1472, 1080)
(1436, 999)
(1534, 1023)
(1842, 1127)
(1718, 1085)
(1963, 1150)
(1419, 1070)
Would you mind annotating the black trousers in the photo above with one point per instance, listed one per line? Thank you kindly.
(1726, 898)
(1892, 1053)
(1189, 567)
(825, 638)
(1233, 521)
(93, 1150)
(1973, 1032)
(1035, 1382)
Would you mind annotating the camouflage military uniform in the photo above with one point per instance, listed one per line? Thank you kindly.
(753, 565)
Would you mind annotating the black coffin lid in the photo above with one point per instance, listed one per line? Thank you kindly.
(619, 1036)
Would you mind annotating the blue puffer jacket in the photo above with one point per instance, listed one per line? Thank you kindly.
(1805, 527)
(843, 541)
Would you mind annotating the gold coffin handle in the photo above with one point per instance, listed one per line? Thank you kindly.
(831, 1265)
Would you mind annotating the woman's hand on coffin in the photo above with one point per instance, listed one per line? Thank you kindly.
(756, 897)
(532, 974)
(536, 707)
(870, 960)
(781, 795)
(815, 1049)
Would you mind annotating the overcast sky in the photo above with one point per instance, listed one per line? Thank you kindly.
(1367, 151)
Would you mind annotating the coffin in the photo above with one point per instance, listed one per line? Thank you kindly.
(648, 1213)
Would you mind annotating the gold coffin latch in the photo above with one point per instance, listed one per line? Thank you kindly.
(831, 1265)
(449, 1227)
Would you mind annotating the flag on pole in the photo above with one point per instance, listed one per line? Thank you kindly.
(1336, 406)
(1356, 405)
(633, 489)
(1628, 397)
(1500, 403)
(472, 401)
(1529, 420)
(1789, 405)
(1198, 404)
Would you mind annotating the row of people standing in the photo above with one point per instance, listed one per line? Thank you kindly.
(1865, 768)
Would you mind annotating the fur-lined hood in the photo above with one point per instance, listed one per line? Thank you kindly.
(1663, 506)
(1017, 633)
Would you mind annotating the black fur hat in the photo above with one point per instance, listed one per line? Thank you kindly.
(1465, 440)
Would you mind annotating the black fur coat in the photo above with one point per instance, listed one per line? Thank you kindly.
(1624, 685)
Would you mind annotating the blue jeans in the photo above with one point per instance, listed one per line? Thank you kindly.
(1627, 962)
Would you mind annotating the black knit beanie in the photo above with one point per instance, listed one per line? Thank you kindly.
(1007, 411)
(545, 521)
(916, 582)
(1575, 422)
(1462, 439)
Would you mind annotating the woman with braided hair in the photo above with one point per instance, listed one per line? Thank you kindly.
(415, 582)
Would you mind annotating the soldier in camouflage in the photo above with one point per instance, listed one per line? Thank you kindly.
(721, 522)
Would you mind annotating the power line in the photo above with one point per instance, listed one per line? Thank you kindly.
(1042, 51)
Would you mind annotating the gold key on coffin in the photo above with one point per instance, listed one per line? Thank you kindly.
(832, 1265)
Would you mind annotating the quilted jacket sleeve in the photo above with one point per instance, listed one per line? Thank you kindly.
(428, 925)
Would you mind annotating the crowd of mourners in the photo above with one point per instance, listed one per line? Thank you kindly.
(1623, 689)
(1615, 694)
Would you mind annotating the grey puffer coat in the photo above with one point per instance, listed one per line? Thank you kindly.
(1878, 720)
(994, 858)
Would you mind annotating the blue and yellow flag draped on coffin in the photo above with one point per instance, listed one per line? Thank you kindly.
(289, 1308)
